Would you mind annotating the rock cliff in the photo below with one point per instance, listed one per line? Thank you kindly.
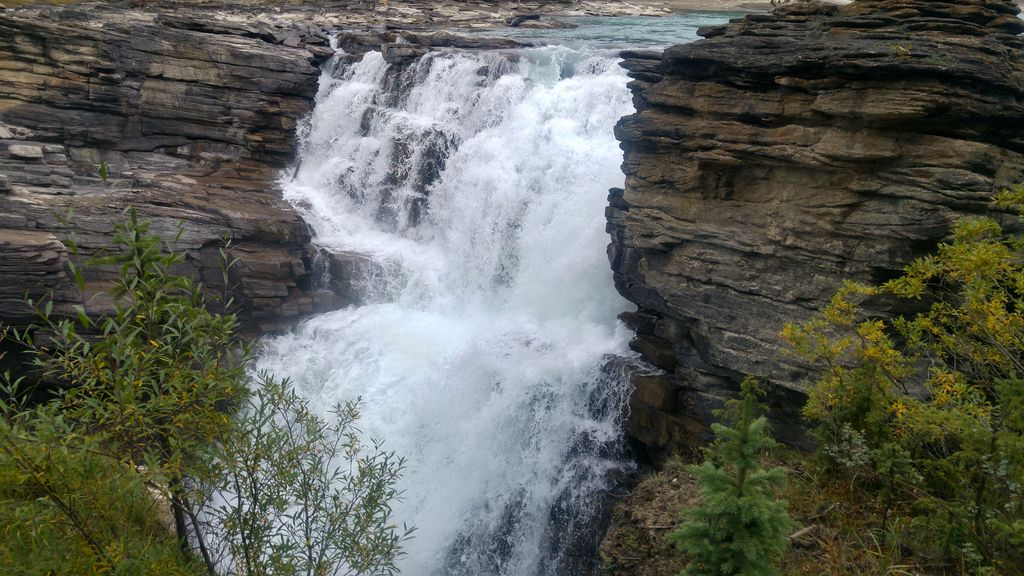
(190, 120)
(787, 152)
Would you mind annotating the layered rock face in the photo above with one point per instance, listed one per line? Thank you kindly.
(788, 152)
(189, 120)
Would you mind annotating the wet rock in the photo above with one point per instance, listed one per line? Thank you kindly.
(788, 152)
(515, 21)
(350, 276)
(444, 39)
(402, 54)
(548, 25)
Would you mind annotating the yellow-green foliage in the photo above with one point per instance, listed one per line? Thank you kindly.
(66, 508)
(927, 407)
(156, 422)
(158, 382)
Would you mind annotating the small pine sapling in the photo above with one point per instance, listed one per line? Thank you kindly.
(740, 528)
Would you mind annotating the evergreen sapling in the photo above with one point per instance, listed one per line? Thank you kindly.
(740, 528)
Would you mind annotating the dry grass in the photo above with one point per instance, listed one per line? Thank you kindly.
(841, 534)
(635, 544)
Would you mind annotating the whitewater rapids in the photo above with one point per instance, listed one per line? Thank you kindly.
(479, 181)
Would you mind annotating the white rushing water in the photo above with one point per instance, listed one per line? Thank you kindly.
(480, 179)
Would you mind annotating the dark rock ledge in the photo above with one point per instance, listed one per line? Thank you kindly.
(783, 154)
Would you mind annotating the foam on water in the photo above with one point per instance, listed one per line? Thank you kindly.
(481, 178)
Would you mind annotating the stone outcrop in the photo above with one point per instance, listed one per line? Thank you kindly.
(189, 120)
(783, 154)
(401, 47)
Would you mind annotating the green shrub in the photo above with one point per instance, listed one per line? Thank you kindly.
(303, 495)
(740, 528)
(156, 412)
(67, 508)
(937, 397)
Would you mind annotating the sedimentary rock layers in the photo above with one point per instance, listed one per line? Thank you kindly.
(785, 153)
(189, 122)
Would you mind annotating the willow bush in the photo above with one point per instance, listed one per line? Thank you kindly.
(68, 507)
(156, 418)
(297, 493)
(926, 411)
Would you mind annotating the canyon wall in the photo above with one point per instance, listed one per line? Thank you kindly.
(783, 154)
(189, 120)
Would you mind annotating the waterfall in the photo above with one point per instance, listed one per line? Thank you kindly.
(480, 352)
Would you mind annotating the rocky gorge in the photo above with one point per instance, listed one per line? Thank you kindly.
(764, 165)
(191, 115)
(769, 161)
(784, 154)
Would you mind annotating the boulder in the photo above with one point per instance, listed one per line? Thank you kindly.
(516, 21)
(402, 47)
(402, 54)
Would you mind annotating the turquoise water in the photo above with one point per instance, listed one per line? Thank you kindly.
(621, 32)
